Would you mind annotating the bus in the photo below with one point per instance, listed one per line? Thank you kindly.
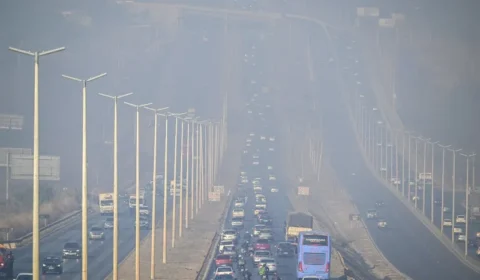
(314, 254)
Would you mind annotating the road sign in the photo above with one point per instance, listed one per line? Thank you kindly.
(219, 189)
(368, 12)
(303, 191)
(386, 22)
(13, 122)
(21, 167)
(213, 196)
(6, 152)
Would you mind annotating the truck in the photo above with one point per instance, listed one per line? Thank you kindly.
(427, 177)
(105, 203)
(297, 222)
(132, 201)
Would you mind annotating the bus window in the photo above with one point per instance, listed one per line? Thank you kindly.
(314, 258)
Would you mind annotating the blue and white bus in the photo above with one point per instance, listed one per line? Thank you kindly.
(314, 254)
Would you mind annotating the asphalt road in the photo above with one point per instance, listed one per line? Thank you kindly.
(407, 243)
(351, 59)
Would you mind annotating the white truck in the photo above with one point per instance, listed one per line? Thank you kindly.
(132, 201)
(105, 203)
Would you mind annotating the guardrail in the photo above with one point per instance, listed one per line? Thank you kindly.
(23, 240)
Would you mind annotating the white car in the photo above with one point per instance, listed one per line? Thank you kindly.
(249, 140)
(461, 238)
(225, 243)
(249, 144)
(458, 230)
(256, 162)
(274, 190)
(270, 167)
(257, 188)
(252, 134)
(271, 149)
(224, 270)
(272, 178)
(244, 180)
(265, 234)
(257, 228)
(24, 276)
(263, 137)
(447, 222)
(229, 234)
(239, 204)
(237, 222)
(261, 254)
(460, 219)
(238, 213)
(272, 139)
(255, 156)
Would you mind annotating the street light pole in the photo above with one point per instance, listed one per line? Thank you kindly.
(182, 148)
(84, 171)
(189, 178)
(443, 184)
(137, 187)
(154, 191)
(174, 204)
(416, 172)
(115, 180)
(432, 191)
(467, 198)
(454, 179)
(193, 173)
(197, 169)
(424, 173)
(36, 157)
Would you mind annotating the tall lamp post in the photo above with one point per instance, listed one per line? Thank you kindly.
(115, 180)
(154, 191)
(443, 184)
(36, 154)
(454, 183)
(84, 170)
(467, 198)
(137, 187)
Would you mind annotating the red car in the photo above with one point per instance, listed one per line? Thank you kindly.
(223, 260)
(262, 244)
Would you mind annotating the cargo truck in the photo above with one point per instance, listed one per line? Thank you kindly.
(105, 201)
(297, 222)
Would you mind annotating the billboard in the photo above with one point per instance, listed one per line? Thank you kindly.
(368, 12)
(219, 189)
(12, 122)
(386, 22)
(213, 196)
(21, 167)
(6, 154)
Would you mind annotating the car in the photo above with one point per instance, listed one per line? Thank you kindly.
(270, 263)
(461, 238)
(272, 178)
(260, 254)
(262, 244)
(382, 224)
(379, 203)
(229, 234)
(256, 229)
(72, 250)
(271, 149)
(223, 260)
(447, 222)
(52, 264)
(261, 205)
(257, 188)
(239, 203)
(144, 223)
(256, 162)
(263, 137)
(285, 249)
(96, 233)
(238, 212)
(255, 156)
(224, 270)
(224, 277)
(24, 276)
(108, 224)
(371, 214)
(460, 219)
(144, 210)
(237, 222)
(270, 167)
(272, 139)
(458, 230)
(230, 251)
(266, 234)
(226, 243)
(258, 210)
(274, 190)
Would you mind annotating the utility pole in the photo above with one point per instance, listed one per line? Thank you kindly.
(443, 185)
(137, 187)
(115, 180)
(36, 157)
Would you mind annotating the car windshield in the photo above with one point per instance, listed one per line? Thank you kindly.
(268, 261)
(284, 245)
(223, 257)
(266, 231)
(262, 253)
(71, 245)
(224, 269)
(96, 229)
(237, 219)
(52, 260)
(229, 232)
(226, 242)
(109, 220)
(262, 241)
(25, 277)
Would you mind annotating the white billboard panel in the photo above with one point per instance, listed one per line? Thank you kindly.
(386, 22)
(13, 122)
(368, 12)
(213, 196)
(21, 167)
(6, 152)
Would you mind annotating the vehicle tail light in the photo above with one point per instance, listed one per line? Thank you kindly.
(300, 267)
(327, 267)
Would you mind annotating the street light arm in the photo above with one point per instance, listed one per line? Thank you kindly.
(124, 95)
(444, 147)
(51, 51)
(96, 77)
(72, 78)
(21, 51)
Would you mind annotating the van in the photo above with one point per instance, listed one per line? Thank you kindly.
(238, 213)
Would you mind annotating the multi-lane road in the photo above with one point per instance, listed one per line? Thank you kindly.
(407, 243)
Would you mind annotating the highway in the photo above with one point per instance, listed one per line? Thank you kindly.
(407, 244)
(351, 58)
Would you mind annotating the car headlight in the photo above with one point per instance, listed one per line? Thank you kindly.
(44, 265)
